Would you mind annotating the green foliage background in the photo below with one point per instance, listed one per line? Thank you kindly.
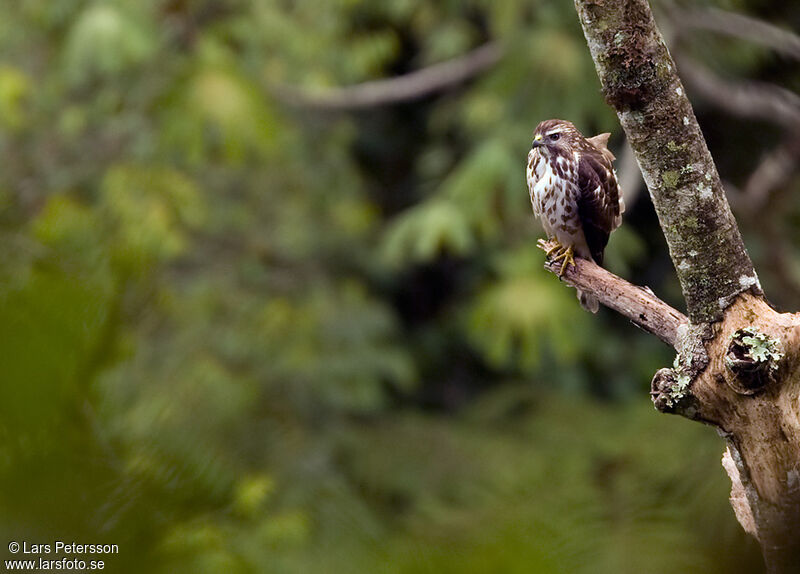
(241, 336)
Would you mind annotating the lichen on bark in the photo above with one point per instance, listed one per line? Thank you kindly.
(738, 364)
(640, 82)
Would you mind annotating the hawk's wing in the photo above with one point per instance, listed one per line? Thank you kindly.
(599, 200)
(600, 141)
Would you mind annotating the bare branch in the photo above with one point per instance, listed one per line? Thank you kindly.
(779, 260)
(772, 174)
(408, 87)
(638, 304)
(740, 26)
(749, 100)
(774, 171)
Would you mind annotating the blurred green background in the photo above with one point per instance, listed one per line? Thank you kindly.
(242, 334)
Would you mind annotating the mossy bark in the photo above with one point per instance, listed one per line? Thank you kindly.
(641, 83)
(738, 365)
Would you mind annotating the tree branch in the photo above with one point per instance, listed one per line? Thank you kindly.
(745, 99)
(408, 87)
(774, 171)
(638, 304)
(738, 363)
(738, 25)
(640, 81)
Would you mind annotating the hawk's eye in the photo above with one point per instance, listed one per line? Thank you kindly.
(555, 136)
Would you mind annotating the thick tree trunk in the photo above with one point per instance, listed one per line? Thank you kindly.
(639, 80)
(738, 365)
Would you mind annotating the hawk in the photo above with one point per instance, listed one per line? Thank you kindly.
(574, 191)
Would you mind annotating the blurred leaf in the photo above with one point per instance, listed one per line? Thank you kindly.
(251, 494)
(218, 112)
(285, 528)
(51, 326)
(516, 320)
(371, 52)
(68, 226)
(350, 340)
(478, 181)
(152, 209)
(105, 41)
(427, 230)
(14, 89)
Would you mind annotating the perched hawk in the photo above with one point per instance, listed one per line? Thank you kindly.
(574, 191)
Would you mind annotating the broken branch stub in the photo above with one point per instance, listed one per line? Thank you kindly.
(752, 360)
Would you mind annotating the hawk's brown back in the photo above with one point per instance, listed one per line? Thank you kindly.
(599, 205)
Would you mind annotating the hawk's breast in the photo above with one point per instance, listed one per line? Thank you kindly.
(554, 197)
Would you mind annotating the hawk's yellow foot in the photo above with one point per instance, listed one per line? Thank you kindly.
(565, 254)
(562, 253)
(549, 246)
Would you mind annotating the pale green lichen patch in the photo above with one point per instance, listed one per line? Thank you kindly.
(678, 390)
(681, 379)
(670, 178)
(753, 357)
(761, 347)
(672, 146)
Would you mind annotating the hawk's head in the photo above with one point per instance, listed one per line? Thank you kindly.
(556, 137)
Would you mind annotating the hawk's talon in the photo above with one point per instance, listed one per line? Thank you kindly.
(549, 246)
(555, 248)
(565, 255)
(568, 258)
(562, 253)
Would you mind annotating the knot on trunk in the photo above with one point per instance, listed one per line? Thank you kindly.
(669, 389)
(752, 360)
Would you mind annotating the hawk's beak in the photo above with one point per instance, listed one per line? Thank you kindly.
(538, 141)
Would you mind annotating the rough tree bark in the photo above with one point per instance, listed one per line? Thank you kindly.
(738, 363)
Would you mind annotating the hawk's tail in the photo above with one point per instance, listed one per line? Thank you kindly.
(588, 302)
